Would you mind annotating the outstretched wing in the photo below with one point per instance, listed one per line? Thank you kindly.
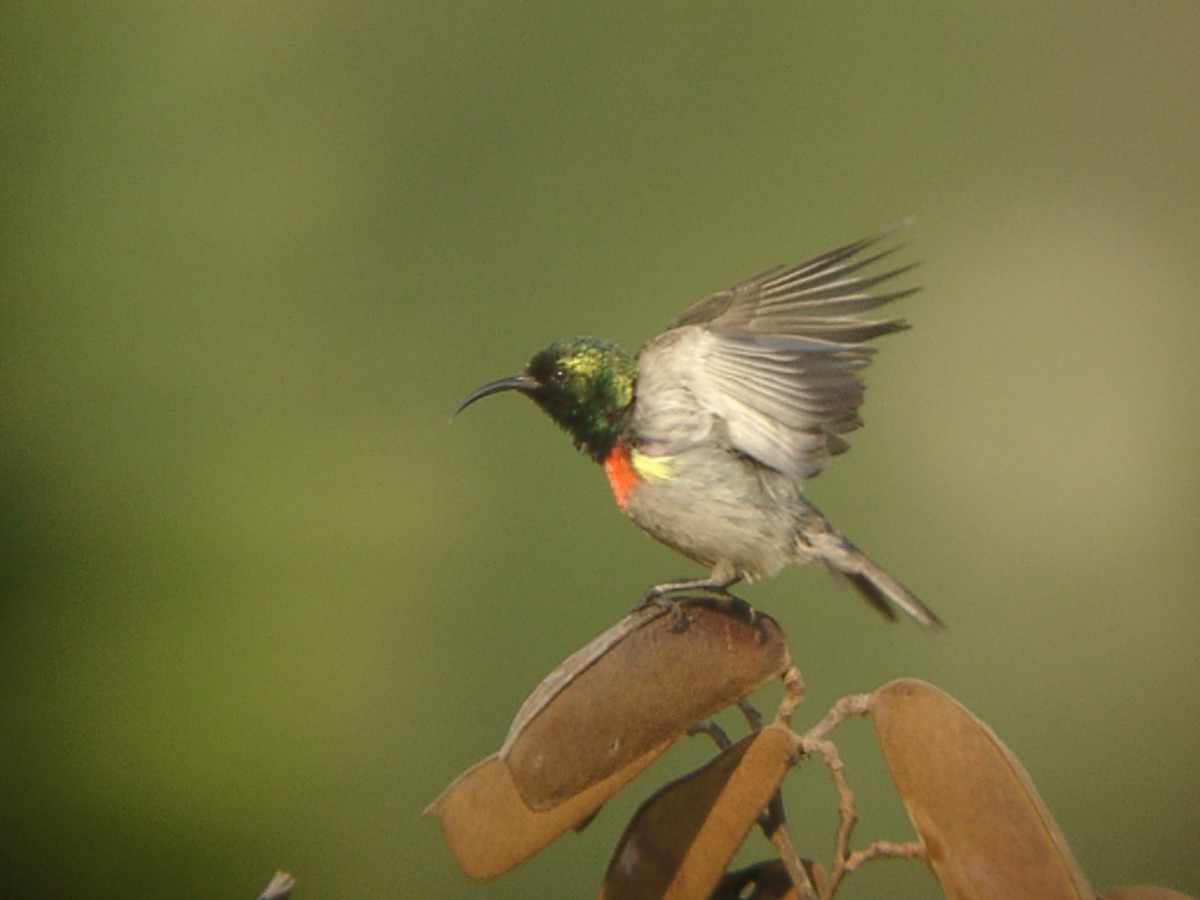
(774, 361)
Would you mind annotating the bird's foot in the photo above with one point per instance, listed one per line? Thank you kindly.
(704, 585)
(673, 609)
(665, 596)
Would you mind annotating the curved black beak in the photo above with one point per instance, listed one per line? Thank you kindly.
(522, 382)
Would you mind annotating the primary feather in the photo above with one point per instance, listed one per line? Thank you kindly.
(775, 359)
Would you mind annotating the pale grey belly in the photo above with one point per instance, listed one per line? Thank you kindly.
(722, 510)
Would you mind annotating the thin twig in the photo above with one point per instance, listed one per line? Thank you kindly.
(851, 705)
(847, 812)
(753, 717)
(714, 731)
(774, 825)
(793, 686)
(888, 850)
(814, 741)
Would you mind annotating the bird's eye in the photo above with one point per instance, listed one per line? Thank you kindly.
(558, 374)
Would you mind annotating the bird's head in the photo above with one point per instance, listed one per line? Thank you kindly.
(584, 384)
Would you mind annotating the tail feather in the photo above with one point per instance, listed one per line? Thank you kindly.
(883, 591)
(875, 585)
(871, 594)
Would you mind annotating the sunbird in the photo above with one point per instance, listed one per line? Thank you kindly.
(708, 435)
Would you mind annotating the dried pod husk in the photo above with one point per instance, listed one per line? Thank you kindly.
(681, 840)
(599, 719)
(639, 685)
(986, 830)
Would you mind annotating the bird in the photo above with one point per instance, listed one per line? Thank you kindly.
(709, 434)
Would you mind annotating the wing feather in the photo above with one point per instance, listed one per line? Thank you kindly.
(774, 362)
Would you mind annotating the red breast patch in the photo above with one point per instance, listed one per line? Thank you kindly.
(622, 477)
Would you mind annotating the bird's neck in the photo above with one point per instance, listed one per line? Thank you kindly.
(597, 422)
(597, 427)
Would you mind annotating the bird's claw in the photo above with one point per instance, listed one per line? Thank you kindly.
(666, 596)
(673, 608)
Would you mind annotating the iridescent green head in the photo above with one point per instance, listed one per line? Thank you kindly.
(584, 384)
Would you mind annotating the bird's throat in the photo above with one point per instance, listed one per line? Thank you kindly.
(628, 469)
(622, 476)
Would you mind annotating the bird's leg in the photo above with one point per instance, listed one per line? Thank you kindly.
(661, 595)
(715, 586)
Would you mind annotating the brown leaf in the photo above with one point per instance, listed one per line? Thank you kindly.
(987, 832)
(637, 686)
(490, 829)
(681, 839)
(1142, 892)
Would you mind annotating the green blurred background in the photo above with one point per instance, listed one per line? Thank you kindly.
(261, 603)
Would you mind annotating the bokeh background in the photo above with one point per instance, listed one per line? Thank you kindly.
(262, 603)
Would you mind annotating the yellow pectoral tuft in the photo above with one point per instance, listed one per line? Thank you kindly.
(651, 468)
